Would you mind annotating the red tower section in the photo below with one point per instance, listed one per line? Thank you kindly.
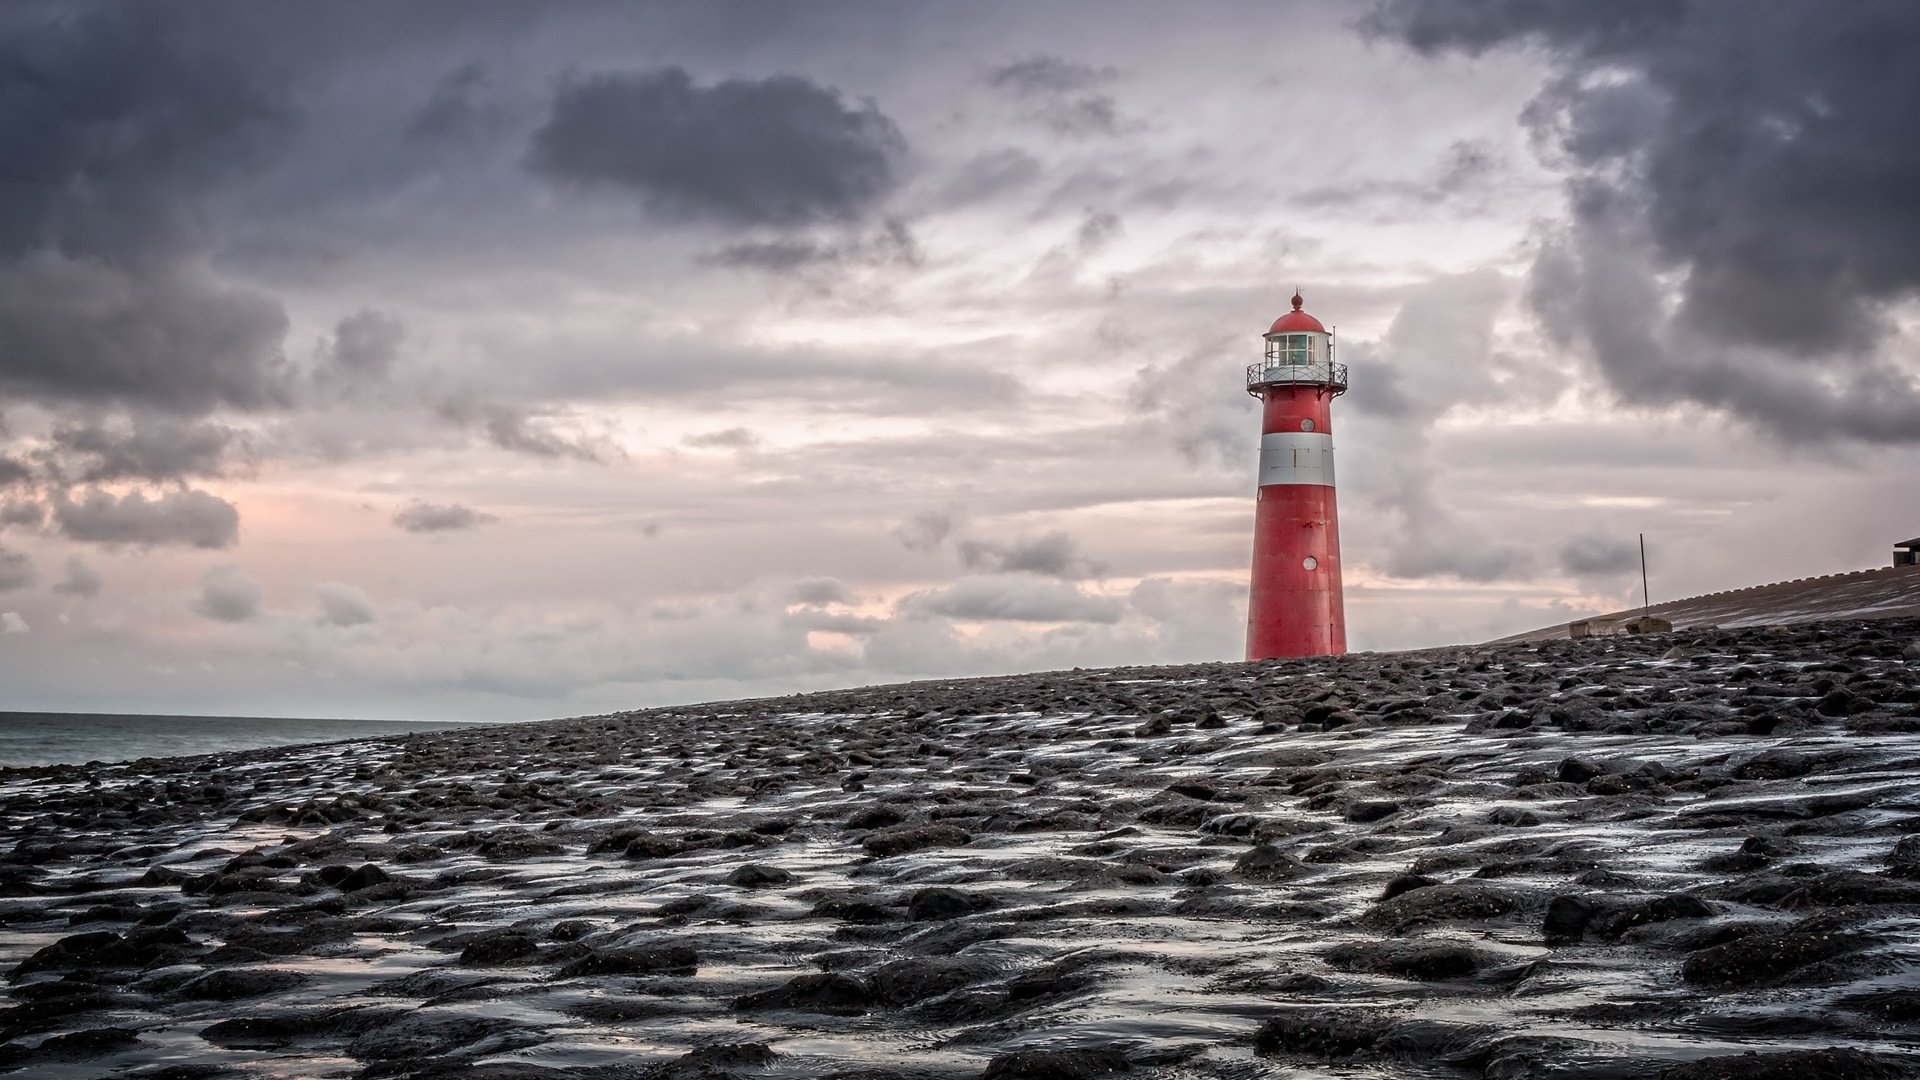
(1295, 607)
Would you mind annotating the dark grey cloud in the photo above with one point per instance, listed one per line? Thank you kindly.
(228, 595)
(1097, 231)
(13, 471)
(425, 517)
(1053, 554)
(23, 513)
(893, 245)
(364, 347)
(1754, 162)
(16, 570)
(1061, 94)
(514, 428)
(153, 448)
(115, 122)
(775, 151)
(1047, 75)
(821, 590)
(925, 530)
(1592, 555)
(81, 329)
(183, 518)
(1016, 598)
(989, 176)
(81, 580)
(457, 107)
(343, 605)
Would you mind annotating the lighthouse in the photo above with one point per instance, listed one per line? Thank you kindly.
(1294, 607)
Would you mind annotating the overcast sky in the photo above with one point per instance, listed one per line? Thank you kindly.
(462, 360)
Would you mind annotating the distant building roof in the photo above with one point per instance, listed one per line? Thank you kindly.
(1915, 542)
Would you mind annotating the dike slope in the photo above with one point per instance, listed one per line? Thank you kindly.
(1687, 857)
(1884, 593)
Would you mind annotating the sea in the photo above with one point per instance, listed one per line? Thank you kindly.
(32, 738)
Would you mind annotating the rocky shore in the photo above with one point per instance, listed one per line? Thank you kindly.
(1690, 857)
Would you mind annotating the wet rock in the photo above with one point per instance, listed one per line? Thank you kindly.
(1267, 863)
(495, 947)
(940, 902)
(1460, 902)
(1575, 770)
(1056, 1065)
(1793, 1065)
(433, 1033)
(833, 992)
(1153, 728)
(362, 877)
(1607, 917)
(1425, 961)
(875, 817)
(1904, 860)
(233, 984)
(902, 840)
(858, 912)
(73, 1046)
(1765, 958)
(646, 845)
(1902, 1005)
(1777, 764)
(283, 1029)
(266, 941)
(657, 960)
(755, 875)
(714, 1062)
(1754, 852)
(1404, 883)
(916, 980)
(99, 948)
(1323, 1033)
(1367, 811)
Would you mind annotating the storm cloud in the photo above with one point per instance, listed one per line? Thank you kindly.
(184, 518)
(425, 517)
(1054, 554)
(1741, 182)
(148, 448)
(776, 151)
(16, 570)
(115, 121)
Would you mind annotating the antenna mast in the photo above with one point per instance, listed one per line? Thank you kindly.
(1644, 604)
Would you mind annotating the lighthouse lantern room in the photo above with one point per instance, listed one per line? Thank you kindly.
(1295, 606)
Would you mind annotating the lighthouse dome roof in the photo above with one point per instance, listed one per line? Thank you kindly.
(1297, 321)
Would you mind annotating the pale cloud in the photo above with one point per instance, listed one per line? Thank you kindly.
(228, 594)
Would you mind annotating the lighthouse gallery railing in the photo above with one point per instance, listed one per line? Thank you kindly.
(1331, 376)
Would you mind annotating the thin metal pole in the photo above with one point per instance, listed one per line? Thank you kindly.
(1644, 601)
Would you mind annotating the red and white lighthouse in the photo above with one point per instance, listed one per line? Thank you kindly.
(1295, 607)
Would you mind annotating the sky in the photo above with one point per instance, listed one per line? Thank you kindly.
(483, 361)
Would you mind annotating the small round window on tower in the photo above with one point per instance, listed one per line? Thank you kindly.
(1306, 425)
(1309, 563)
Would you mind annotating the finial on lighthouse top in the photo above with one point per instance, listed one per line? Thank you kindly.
(1297, 321)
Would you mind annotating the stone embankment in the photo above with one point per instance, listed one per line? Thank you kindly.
(1689, 857)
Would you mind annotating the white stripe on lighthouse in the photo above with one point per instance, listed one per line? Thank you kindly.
(1296, 457)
